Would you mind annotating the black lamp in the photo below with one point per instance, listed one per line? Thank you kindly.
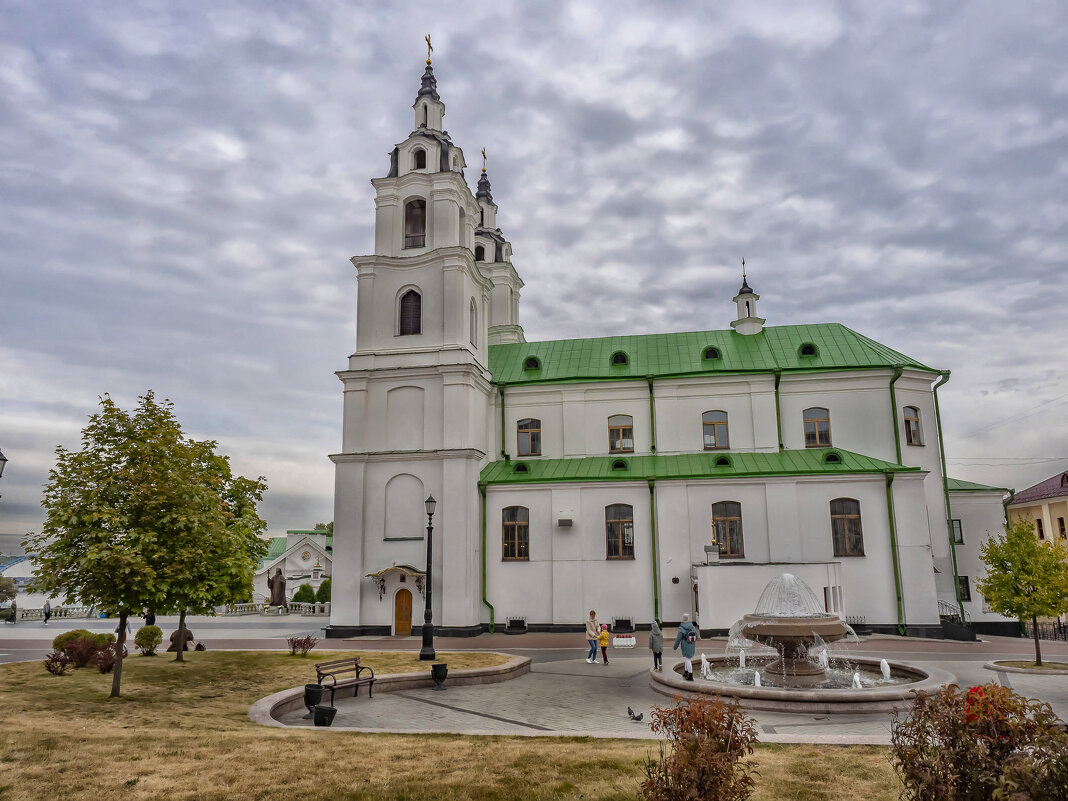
(426, 653)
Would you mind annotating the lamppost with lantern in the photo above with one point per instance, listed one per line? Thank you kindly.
(426, 653)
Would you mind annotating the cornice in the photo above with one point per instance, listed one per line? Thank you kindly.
(473, 454)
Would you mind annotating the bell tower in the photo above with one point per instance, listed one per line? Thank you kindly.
(747, 323)
(494, 254)
(417, 394)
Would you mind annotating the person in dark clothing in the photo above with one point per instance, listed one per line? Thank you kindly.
(656, 645)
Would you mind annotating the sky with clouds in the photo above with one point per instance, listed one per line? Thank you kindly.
(183, 183)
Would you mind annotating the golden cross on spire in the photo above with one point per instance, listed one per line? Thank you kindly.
(483, 159)
(743, 269)
(429, 48)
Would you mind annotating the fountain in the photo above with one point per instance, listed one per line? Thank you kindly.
(788, 617)
(800, 674)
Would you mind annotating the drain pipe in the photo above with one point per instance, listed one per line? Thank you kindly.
(778, 409)
(898, 369)
(901, 628)
(945, 492)
(652, 415)
(504, 449)
(482, 492)
(656, 558)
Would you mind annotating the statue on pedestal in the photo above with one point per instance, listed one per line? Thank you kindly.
(277, 586)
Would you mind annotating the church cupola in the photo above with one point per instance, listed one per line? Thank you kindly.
(429, 110)
(747, 322)
(487, 215)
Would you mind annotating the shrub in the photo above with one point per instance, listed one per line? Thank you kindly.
(302, 644)
(7, 614)
(1040, 774)
(958, 745)
(104, 658)
(148, 639)
(75, 634)
(103, 640)
(708, 739)
(80, 651)
(322, 595)
(57, 663)
(304, 595)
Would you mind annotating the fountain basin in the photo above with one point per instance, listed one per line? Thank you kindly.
(810, 699)
(793, 636)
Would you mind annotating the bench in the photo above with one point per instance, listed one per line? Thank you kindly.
(352, 675)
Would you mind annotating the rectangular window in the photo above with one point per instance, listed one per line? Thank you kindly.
(1041, 531)
(958, 533)
(529, 434)
(817, 428)
(621, 434)
(715, 430)
(1060, 524)
(515, 535)
(965, 588)
(912, 426)
(619, 531)
(847, 535)
(727, 528)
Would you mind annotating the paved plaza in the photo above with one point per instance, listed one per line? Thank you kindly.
(563, 694)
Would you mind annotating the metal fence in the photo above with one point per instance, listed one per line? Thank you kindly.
(1048, 631)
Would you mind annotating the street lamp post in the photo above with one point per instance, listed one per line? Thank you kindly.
(3, 463)
(426, 653)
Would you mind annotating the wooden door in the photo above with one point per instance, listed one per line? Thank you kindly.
(402, 613)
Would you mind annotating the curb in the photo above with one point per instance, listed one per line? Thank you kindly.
(1031, 671)
(266, 711)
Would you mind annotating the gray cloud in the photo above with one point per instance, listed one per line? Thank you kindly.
(181, 187)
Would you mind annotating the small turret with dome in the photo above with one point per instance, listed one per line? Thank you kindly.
(748, 322)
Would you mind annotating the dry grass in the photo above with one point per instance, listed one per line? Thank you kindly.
(182, 732)
(1031, 665)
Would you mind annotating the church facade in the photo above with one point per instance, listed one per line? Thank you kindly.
(644, 476)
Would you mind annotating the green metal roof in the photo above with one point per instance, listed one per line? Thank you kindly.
(837, 348)
(811, 461)
(958, 485)
(276, 546)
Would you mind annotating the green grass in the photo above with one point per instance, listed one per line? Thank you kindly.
(181, 731)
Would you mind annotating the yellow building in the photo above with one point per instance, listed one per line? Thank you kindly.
(1045, 505)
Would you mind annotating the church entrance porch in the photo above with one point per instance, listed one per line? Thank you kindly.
(402, 613)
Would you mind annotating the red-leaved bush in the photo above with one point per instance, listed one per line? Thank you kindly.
(963, 745)
(57, 663)
(708, 738)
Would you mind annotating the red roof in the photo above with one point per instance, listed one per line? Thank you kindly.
(1052, 487)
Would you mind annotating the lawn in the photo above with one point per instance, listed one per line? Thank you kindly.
(1032, 666)
(181, 731)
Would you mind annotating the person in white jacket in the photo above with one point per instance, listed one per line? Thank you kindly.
(593, 630)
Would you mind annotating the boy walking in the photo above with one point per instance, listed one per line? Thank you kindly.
(602, 640)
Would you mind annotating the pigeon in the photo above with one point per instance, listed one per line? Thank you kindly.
(630, 712)
(636, 718)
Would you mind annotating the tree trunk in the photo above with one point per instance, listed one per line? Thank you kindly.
(1038, 648)
(180, 655)
(120, 646)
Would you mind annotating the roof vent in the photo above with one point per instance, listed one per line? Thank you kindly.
(711, 353)
(1064, 479)
(619, 464)
(532, 363)
(619, 358)
(808, 349)
(521, 468)
(723, 461)
(833, 458)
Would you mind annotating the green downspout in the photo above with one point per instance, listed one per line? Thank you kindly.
(901, 628)
(482, 492)
(893, 410)
(778, 411)
(652, 415)
(504, 448)
(656, 558)
(945, 492)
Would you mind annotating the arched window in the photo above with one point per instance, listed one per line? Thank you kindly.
(727, 528)
(410, 314)
(532, 363)
(529, 435)
(621, 433)
(426, 121)
(913, 432)
(845, 527)
(715, 429)
(474, 323)
(415, 223)
(619, 531)
(817, 428)
(419, 159)
(808, 349)
(618, 358)
(619, 464)
(515, 533)
(711, 353)
(480, 253)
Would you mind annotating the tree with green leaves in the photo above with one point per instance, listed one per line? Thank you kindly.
(1025, 578)
(7, 589)
(128, 513)
(327, 527)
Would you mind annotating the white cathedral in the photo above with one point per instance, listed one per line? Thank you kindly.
(643, 476)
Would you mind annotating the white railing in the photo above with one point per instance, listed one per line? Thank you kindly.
(239, 609)
(310, 609)
(57, 612)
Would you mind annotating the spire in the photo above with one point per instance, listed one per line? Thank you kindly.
(429, 85)
(484, 192)
(745, 290)
(747, 322)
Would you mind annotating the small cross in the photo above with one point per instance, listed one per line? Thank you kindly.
(483, 159)
(743, 269)
(429, 48)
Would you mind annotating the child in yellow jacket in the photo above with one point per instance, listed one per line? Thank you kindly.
(602, 640)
